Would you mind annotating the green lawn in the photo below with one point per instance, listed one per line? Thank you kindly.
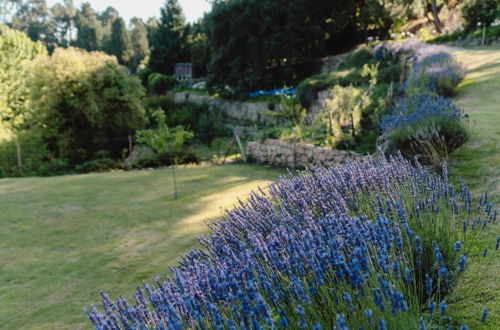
(478, 162)
(64, 238)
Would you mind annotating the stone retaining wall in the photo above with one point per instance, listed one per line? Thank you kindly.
(287, 154)
(237, 112)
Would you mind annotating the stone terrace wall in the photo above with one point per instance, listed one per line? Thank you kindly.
(281, 153)
(234, 113)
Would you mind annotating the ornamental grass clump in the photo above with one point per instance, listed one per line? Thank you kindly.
(368, 244)
(426, 127)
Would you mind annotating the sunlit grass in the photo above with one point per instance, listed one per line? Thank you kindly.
(478, 162)
(64, 238)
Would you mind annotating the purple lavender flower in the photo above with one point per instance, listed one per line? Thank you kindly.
(418, 244)
(431, 306)
(348, 300)
(457, 246)
(428, 285)
(378, 298)
(369, 316)
(341, 323)
(461, 263)
(443, 307)
(484, 315)
(302, 317)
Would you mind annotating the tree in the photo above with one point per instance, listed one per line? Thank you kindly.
(106, 20)
(271, 43)
(84, 103)
(140, 44)
(120, 44)
(168, 44)
(165, 139)
(15, 50)
(63, 16)
(199, 49)
(89, 35)
(480, 11)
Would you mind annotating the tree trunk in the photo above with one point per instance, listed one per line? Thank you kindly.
(175, 180)
(483, 39)
(352, 124)
(129, 145)
(19, 158)
(437, 23)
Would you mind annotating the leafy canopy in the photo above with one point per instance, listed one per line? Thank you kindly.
(15, 50)
(163, 138)
(85, 103)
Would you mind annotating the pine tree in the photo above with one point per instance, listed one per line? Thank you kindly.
(89, 36)
(120, 44)
(168, 44)
(140, 42)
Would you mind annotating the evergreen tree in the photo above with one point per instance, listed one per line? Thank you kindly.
(63, 16)
(106, 19)
(168, 42)
(120, 44)
(140, 42)
(89, 35)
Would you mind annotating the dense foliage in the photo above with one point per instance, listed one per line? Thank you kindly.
(377, 243)
(277, 43)
(160, 83)
(480, 12)
(84, 103)
(16, 49)
(169, 39)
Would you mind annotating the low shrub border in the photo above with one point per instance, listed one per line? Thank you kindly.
(373, 244)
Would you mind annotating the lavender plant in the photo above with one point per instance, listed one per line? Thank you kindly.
(366, 244)
(435, 70)
(425, 126)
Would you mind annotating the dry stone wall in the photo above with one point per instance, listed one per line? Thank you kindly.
(234, 113)
(288, 154)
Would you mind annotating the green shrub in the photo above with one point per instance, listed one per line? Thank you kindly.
(143, 75)
(159, 83)
(97, 165)
(357, 59)
(308, 89)
(205, 122)
(84, 102)
(167, 159)
(390, 73)
(33, 154)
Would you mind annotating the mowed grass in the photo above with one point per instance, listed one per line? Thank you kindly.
(62, 239)
(478, 163)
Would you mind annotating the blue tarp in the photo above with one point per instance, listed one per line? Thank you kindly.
(277, 92)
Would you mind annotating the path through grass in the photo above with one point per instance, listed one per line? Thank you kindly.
(64, 238)
(478, 162)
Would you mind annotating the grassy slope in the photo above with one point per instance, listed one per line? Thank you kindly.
(64, 238)
(478, 162)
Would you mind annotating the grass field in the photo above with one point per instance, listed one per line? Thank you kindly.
(64, 238)
(478, 162)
